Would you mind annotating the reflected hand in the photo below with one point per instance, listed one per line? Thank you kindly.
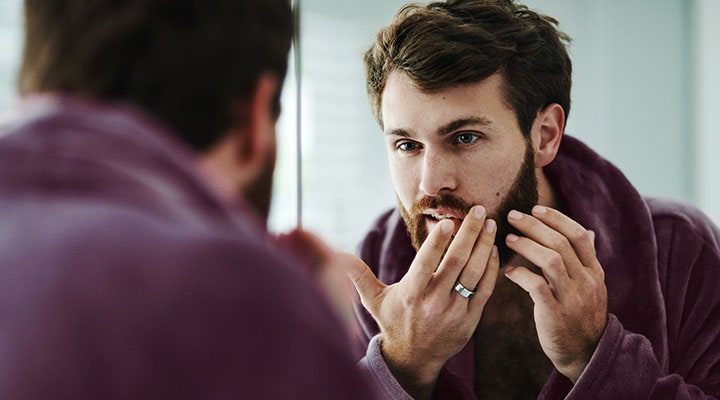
(570, 296)
(423, 321)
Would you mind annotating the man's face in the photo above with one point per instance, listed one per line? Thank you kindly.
(455, 148)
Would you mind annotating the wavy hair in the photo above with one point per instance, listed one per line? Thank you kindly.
(444, 44)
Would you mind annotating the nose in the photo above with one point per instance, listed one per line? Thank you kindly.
(439, 173)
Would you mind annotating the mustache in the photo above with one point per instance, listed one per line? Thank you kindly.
(443, 200)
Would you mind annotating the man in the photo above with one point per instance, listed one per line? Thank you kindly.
(132, 268)
(601, 293)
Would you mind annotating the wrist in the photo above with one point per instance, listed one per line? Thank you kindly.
(415, 374)
(573, 370)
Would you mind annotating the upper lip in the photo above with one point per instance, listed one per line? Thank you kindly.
(443, 212)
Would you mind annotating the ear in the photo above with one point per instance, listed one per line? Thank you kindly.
(254, 124)
(243, 153)
(547, 131)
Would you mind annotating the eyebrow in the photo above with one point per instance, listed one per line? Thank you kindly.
(447, 128)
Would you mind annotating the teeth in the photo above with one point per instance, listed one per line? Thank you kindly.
(442, 217)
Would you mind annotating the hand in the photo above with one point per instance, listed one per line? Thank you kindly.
(329, 269)
(423, 321)
(570, 296)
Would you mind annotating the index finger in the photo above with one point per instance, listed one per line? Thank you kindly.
(428, 257)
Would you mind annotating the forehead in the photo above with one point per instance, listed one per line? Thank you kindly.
(406, 107)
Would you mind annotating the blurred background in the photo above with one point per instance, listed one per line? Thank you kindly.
(646, 86)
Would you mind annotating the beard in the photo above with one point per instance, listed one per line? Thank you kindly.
(259, 193)
(522, 196)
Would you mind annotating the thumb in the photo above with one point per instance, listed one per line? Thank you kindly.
(536, 285)
(366, 283)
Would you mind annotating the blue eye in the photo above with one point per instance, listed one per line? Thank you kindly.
(466, 138)
(407, 146)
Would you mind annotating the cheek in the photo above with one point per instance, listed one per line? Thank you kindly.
(489, 181)
(405, 181)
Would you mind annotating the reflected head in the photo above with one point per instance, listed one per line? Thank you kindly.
(188, 62)
(445, 44)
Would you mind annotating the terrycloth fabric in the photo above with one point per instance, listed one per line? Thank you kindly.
(662, 266)
(124, 275)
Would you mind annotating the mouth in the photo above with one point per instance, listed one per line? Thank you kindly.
(443, 214)
(433, 217)
(441, 217)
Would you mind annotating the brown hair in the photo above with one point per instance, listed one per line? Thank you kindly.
(185, 61)
(443, 44)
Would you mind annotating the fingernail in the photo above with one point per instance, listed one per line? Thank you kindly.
(479, 211)
(514, 215)
(539, 210)
(512, 238)
(446, 226)
(494, 252)
(490, 226)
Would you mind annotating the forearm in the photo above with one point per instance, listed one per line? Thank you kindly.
(447, 386)
(625, 366)
(375, 365)
(417, 378)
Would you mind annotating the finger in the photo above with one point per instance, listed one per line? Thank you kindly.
(549, 261)
(461, 248)
(486, 286)
(475, 267)
(547, 236)
(532, 283)
(580, 238)
(428, 257)
(368, 286)
(307, 245)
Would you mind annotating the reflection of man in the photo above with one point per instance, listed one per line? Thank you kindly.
(132, 268)
(603, 293)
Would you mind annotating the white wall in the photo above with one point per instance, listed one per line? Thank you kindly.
(707, 104)
(632, 87)
(10, 47)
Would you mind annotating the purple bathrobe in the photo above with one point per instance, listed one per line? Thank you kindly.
(662, 270)
(123, 275)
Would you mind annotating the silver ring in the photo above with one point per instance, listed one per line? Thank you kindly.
(463, 291)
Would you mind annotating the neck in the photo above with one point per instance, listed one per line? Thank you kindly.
(217, 179)
(546, 194)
